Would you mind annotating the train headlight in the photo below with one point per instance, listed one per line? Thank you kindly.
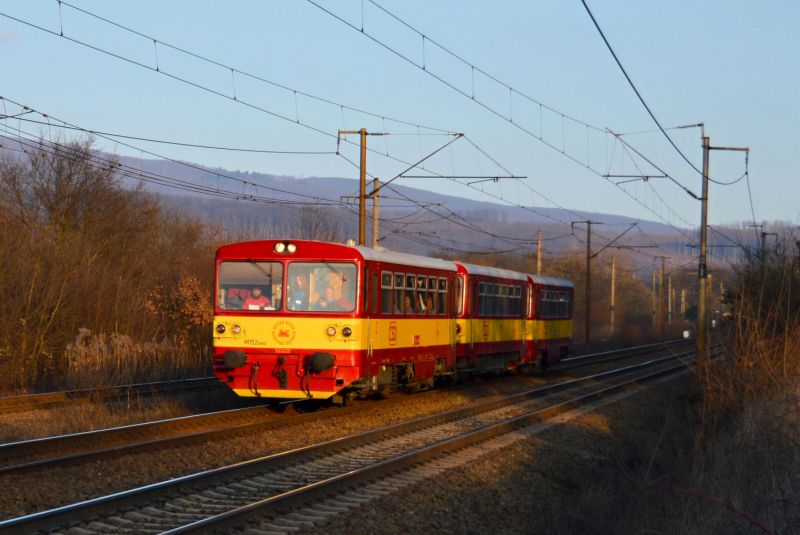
(221, 329)
(279, 247)
(331, 331)
(291, 248)
(236, 329)
(347, 331)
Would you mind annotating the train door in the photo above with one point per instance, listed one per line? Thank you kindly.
(372, 288)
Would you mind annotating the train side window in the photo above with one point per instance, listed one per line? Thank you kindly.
(422, 294)
(409, 300)
(443, 295)
(399, 284)
(497, 301)
(460, 295)
(482, 299)
(433, 295)
(543, 312)
(374, 292)
(504, 300)
(474, 298)
(518, 301)
(386, 292)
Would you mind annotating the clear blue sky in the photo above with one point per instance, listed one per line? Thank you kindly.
(731, 65)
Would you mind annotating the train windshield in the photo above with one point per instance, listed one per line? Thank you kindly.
(250, 285)
(322, 286)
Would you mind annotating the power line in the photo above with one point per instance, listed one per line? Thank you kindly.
(233, 98)
(473, 97)
(178, 143)
(638, 95)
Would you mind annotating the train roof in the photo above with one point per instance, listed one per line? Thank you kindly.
(404, 259)
(472, 269)
(551, 281)
(308, 249)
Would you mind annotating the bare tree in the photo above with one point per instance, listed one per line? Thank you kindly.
(316, 222)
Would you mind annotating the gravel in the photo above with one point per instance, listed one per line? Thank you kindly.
(514, 490)
(29, 493)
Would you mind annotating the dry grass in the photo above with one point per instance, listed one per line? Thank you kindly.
(81, 251)
(86, 417)
(724, 455)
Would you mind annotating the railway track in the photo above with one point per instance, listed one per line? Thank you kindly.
(252, 493)
(70, 450)
(32, 402)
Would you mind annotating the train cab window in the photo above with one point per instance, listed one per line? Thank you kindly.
(421, 305)
(432, 301)
(482, 299)
(374, 292)
(250, 286)
(386, 292)
(331, 285)
(460, 305)
(443, 295)
(504, 300)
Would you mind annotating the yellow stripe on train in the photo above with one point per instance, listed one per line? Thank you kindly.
(291, 333)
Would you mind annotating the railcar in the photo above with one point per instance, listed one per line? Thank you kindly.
(493, 327)
(550, 318)
(304, 319)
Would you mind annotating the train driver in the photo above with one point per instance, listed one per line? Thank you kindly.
(257, 300)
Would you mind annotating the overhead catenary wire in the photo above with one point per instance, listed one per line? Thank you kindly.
(472, 97)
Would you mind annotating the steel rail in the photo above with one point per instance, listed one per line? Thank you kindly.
(76, 513)
(240, 516)
(65, 443)
(658, 345)
(31, 402)
(640, 351)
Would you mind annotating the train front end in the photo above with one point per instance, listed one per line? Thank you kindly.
(287, 322)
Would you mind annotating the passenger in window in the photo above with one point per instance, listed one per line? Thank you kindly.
(429, 305)
(326, 301)
(257, 300)
(407, 304)
(298, 296)
(331, 304)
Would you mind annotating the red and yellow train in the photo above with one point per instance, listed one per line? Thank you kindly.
(305, 319)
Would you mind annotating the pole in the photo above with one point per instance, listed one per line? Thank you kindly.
(683, 304)
(702, 270)
(613, 273)
(375, 187)
(539, 253)
(654, 299)
(362, 204)
(669, 310)
(588, 283)
(663, 297)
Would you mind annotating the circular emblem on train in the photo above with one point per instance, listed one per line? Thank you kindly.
(392, 333)
(283, 332)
